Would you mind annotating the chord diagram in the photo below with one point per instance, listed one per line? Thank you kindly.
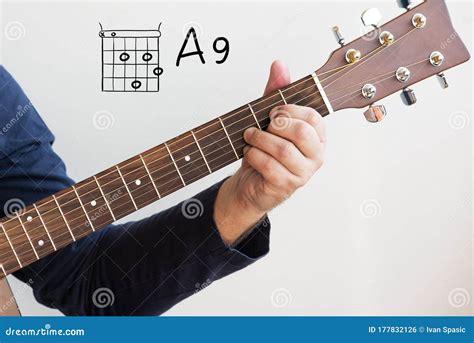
(131, 60)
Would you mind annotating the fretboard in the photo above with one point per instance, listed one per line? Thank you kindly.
(67, 216)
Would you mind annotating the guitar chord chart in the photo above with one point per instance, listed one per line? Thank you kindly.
(130, 60)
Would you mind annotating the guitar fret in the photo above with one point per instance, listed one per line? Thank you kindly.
(281, 94)
(65, 220)
(105, 199)
(3, 269)
(27, 235)
(151, 178)
(200, 150)
(322, 93)
(254, 116)
(228, 137)
(11, 245)
(83, 208)
(175, 165)
(126, 187)
(45, 228)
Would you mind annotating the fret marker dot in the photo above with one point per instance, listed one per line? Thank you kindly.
(138, 182)
(187, 158)
(40, 242)
(93, 203)
(29, 218)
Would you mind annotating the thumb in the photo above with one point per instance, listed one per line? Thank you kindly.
(279, 77)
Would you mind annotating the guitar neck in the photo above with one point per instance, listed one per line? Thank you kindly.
(62, 218)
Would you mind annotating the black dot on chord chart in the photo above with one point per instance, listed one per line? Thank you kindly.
(147, 56)
(113, 34)
(136, 84)
(158, 71)
(124, 57)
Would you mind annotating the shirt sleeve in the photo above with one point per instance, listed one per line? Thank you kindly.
(137, 268)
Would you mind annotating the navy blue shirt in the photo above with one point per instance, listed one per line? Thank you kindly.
(138, 268)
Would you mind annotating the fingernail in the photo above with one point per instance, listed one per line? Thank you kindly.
(246, 148)
(249, 133)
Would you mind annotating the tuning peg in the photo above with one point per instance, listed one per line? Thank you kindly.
(442, 80)
(339, 37)
(404, 3)
(371, 17)
(408, 96)
(375, 113)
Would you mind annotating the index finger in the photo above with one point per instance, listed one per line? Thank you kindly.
(308, 114)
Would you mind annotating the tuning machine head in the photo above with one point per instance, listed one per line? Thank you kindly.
(371, 17)
(404, 4)
(408, 96)
(375, 113)
(442, 80)
(339, 37)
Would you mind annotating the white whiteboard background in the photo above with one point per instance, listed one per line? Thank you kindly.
(326, 258)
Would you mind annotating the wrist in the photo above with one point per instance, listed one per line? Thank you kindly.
(232, 214)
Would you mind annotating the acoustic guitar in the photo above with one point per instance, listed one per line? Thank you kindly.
(419, 43)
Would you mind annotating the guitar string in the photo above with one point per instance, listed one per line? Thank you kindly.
(197, 152)
(357, 91)
(358, 64)
(376, 77)
(223, 138)
(305, 79)
(175, 179)
(63, 233)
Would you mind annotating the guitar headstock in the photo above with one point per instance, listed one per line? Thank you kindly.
(411, 47)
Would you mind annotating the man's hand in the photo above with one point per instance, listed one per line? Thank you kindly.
(276, 163)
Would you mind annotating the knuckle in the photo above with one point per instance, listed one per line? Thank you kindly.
(295, 183)
(256, 137)
(302, 131)
(284, 150)
(319, 160)
(313, 117)
(267, 166)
